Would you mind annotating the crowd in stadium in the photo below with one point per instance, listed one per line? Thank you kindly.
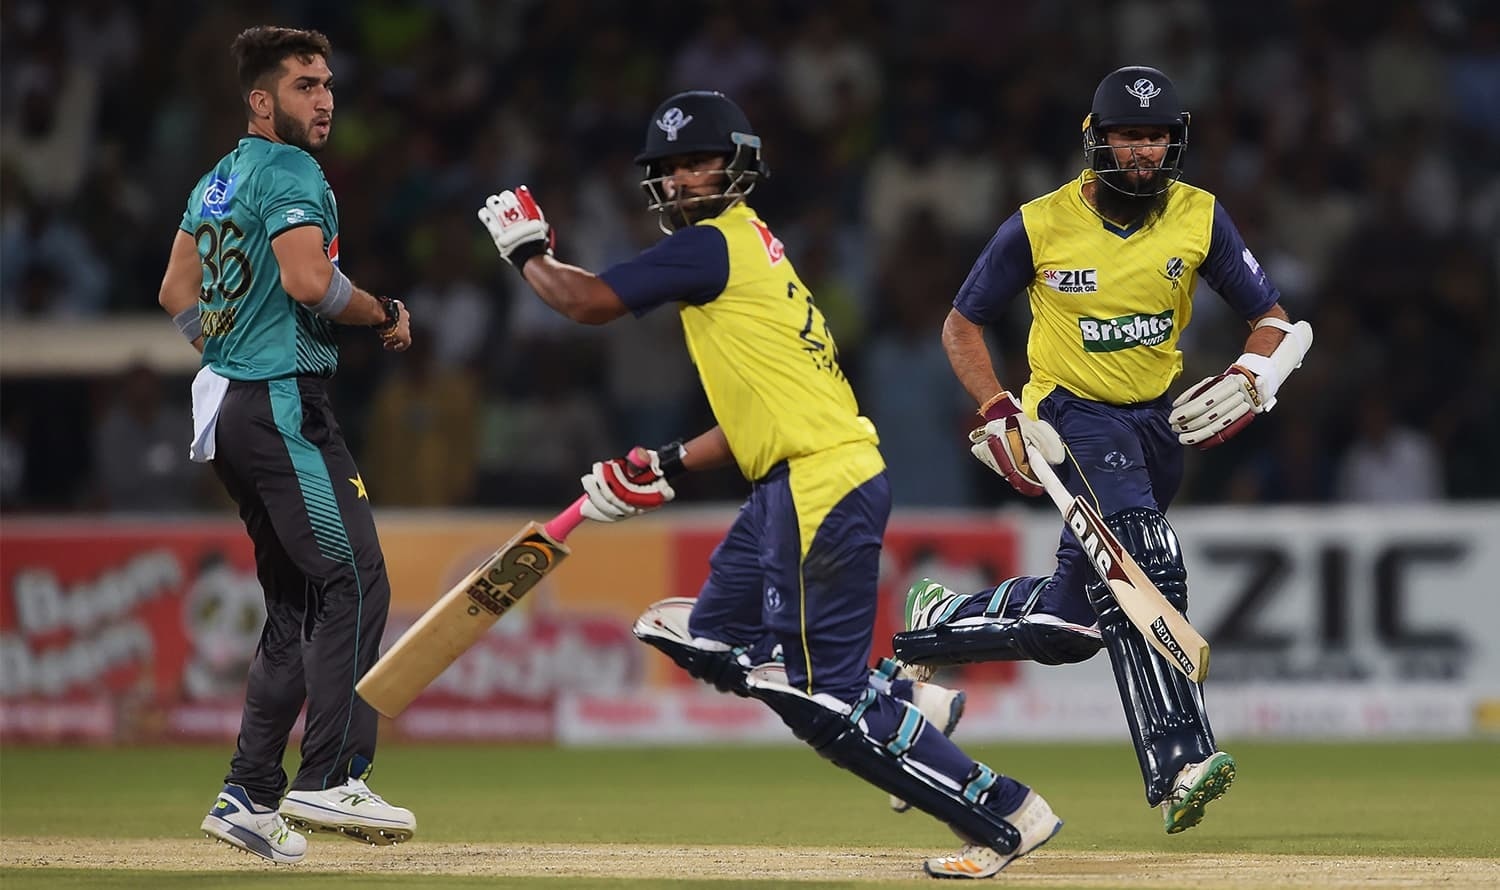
(1354, 145)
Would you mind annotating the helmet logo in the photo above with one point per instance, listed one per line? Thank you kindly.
(1143, 90)
(673, 120)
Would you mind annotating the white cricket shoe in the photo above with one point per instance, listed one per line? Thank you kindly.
(1033, 819)
(234, 820)
(352, 810)
(940, 706)
(1196, 785)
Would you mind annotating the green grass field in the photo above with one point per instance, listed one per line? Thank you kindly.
(489, 809)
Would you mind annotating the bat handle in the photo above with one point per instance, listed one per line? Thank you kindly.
(1048, 477)
(562, 525)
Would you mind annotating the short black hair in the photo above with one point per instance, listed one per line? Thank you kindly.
(261, 50)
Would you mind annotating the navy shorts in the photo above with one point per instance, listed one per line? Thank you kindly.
(799, 567)
(1119, 456)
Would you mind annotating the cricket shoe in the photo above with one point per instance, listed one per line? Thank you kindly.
(926, 600)
(351, 809)
(235, 820)
(940, 706)
(1033, 819)
(1196, 785)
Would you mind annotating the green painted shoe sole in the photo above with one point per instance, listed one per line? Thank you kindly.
(1211, 785)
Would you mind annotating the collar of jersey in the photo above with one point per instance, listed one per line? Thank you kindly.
(1112, 228)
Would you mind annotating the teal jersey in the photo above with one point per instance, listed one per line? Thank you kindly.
(252, 328)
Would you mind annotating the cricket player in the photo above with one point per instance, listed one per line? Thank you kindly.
(254, 282)
(1109, 263)
(797, 570)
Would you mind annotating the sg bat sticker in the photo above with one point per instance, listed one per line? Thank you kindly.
(519, 570)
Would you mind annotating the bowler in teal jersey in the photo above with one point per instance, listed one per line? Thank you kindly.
(254, 283)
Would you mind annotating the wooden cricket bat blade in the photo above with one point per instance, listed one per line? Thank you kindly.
(464, 614)
(1166, 629)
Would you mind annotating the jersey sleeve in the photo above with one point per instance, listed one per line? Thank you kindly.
(291, 187)
(689, 266)
(1232, 270)
(1003, 270)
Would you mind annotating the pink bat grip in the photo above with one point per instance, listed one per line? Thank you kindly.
(562, 525)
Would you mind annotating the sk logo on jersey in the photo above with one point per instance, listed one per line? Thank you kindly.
(333, 251)
(673, 120)
(1144, 90)
(1072, 281)
(775, 250)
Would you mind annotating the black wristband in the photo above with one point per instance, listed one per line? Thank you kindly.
(522, 253)
(669, 458)
(392, 315)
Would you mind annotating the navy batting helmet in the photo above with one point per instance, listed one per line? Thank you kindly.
(1136, 96)
(699, 122)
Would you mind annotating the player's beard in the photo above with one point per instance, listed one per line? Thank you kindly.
(1126, 210)
(294, 132)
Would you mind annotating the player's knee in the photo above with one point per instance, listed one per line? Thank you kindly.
(1149, 539)
(1054, 644)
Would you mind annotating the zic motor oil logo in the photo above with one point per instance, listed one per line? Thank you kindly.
(1072, 281)
(1124, 332)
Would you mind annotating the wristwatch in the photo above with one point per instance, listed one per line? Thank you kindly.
(392, 315)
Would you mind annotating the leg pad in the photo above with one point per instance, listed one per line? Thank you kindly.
(664, 625)
(893, 761)
(1165, 710)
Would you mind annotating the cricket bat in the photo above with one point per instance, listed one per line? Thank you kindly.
(1165, 628)
(463, 615)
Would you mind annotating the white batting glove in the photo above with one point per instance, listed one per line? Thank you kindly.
(625, 487)
(517, 226)
(1215, 410)
(1001, 443)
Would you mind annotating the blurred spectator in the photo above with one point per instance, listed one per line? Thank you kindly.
(1389, 461)
(541, 430)
(1295, 468)
(923, 172)
(140, 448)
(723, 57)
(1404, 76)
(828, 72)
(423, 432)
(907, 386)
(12, 459)
(47, 128)
(463, 318)
(649, 380)
(1357, 150)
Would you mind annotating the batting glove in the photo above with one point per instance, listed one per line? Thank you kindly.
(517, 225)
(1001, 443)
(1215, 410)
(626, 486)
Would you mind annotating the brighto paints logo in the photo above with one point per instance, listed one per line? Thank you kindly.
(1124, 332)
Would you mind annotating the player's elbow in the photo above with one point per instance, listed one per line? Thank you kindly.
(593, 302)
(594, 313)
(303, 285)
(959, 331)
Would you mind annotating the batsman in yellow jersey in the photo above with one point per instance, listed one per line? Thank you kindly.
(1109, 264)
(788, 611)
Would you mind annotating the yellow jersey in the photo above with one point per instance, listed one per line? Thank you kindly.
(763, 351)
(1108, 303)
